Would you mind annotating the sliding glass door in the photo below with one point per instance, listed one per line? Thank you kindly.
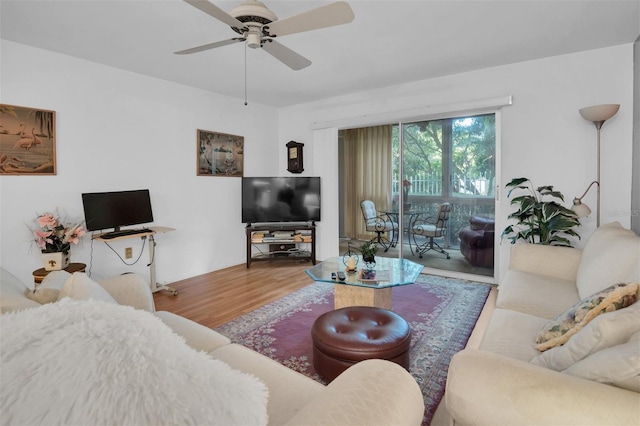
(447, 161)
(411, 171)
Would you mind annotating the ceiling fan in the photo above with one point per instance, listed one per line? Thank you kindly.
(258, 27)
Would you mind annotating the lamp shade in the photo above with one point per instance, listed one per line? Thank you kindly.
(598, 113)
(581, 210)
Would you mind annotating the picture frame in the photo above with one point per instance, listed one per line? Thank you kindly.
(219, 154)
(27, 141)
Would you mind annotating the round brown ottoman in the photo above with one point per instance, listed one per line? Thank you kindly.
(348, 335)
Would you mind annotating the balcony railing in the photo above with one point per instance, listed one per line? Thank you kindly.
(426, 194)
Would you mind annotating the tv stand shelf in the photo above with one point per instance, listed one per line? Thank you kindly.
(283, 242)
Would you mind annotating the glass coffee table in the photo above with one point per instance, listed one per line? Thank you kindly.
(359, 290)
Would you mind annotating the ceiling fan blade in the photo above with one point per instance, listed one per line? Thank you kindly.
(337, 13)
(216, 12)
(285, 55)
(209, 46)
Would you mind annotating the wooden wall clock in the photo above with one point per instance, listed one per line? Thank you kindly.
(294, 157)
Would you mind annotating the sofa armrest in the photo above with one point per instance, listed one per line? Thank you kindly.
(482, 223)
(371, 392)
(485, 388)
(197, 336)
(130, 289)
(553, 261)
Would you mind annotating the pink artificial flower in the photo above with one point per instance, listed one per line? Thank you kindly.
(47, 219)
(72, 235)
(54, 236)
(42, 238)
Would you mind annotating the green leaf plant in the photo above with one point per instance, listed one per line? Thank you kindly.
(369, 250)
(540, 220)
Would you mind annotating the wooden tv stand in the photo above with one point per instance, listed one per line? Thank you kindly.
(281, 248)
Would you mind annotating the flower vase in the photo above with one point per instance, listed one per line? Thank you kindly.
(55, 261)
(369, 264)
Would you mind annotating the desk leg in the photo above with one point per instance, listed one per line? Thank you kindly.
(152, 270)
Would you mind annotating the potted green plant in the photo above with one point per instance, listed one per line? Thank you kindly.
(541, 220)
(369, 250)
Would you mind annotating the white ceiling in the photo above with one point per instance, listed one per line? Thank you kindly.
(389, 42)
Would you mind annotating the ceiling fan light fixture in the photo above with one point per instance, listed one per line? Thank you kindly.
(253, 11)
(254, 39)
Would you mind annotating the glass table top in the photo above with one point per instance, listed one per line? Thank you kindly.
(389, 272)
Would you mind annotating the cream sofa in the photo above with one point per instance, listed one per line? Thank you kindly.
(592, 379)
(372, 392)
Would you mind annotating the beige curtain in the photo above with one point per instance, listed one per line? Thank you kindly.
(366, 175)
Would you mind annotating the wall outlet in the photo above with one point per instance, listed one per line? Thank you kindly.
(128, 253)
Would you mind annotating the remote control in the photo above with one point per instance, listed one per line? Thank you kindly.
(341, 276)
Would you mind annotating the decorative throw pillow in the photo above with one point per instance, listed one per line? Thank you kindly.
(80, 287)
(610, 256)
(618, 365)
(12, 292)
(94, 363)
(48, 290)
(55, 279)
(558, 331)
(43, 295)
(606, 330)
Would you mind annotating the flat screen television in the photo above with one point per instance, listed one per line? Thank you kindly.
(105, 210)
(280, 199)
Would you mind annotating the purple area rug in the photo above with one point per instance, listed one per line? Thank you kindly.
(441, 311)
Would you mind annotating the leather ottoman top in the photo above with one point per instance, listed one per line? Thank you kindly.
(361, 332)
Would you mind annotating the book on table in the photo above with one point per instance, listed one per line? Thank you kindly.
(374, 275)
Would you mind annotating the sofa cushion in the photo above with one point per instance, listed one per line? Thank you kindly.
(551, 261)
(604, 331)
(80, 287)
(89, 362)
(618, 365)
(12, 293)
(511, 333)
(529, 293)
(43, 295)
(129, 289)
(610, 256)
(48, 290)
(558, 331)
(55, 280)
(490, 389)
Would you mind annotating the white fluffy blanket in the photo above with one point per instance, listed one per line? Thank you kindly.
(94, 363)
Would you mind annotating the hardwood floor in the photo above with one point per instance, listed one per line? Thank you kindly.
(217, 297)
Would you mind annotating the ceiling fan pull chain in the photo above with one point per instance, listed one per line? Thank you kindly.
(245, 74)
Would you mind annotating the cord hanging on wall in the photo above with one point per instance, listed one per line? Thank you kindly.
(245, 74)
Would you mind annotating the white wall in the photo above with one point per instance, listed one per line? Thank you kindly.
(118, 130)
(543, 136)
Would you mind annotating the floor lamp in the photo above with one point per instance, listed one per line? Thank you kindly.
(597, 114)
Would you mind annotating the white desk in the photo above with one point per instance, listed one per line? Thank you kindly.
(153, 230)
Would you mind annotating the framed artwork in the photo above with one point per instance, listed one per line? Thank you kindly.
(220, 154)
(27, 141)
